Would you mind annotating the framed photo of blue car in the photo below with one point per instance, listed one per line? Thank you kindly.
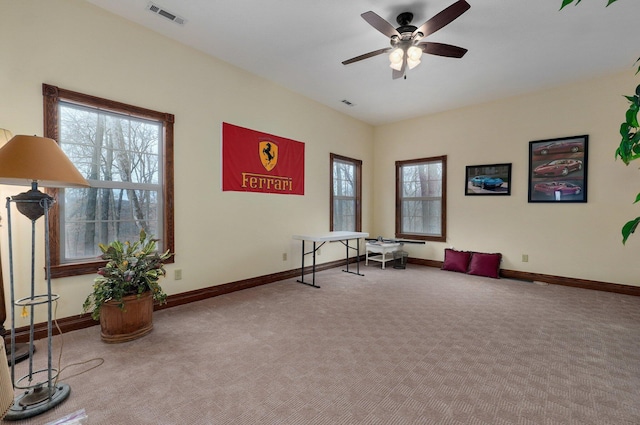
(488, 180)
(558, 169)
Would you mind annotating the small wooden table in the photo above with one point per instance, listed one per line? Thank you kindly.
(381, 249)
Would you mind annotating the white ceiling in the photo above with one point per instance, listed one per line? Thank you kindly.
(515, 47)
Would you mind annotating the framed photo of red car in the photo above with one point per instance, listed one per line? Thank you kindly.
(558, 169)
(489, 179)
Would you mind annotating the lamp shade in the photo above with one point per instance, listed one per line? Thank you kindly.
(5, 136)
(28, 159)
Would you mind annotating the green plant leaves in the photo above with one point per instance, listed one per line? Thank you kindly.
(632, 116)
(632, 113)
(629, 228)
(629, 148)
(567, 2)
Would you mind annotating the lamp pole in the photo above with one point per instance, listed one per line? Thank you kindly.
(21, 350)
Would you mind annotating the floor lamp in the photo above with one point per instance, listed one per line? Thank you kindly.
(32, 160)
(21, 350)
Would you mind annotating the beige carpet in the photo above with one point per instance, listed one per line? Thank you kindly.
(414, 346)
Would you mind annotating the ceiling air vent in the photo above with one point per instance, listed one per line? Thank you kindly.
(166, 14)
(346, 102)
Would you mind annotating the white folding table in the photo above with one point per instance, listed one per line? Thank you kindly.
(319, 240)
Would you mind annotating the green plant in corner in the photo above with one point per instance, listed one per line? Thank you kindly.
(566, 2)
(131, 269)
(629, 149)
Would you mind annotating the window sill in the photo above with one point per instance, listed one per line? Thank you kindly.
(79, 269)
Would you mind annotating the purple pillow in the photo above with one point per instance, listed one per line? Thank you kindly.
(485, 264)
(456, 261)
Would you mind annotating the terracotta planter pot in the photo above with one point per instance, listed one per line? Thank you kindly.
(135, 321)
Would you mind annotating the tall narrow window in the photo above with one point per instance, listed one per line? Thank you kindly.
(125, 153)
(421, 187)
(346, 189)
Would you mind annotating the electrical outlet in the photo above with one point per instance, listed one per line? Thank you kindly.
(525, 258)
(284, 256)
(177, 274)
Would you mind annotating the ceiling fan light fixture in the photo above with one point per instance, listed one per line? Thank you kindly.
(414, 53)
(395, 57)
(411, 63)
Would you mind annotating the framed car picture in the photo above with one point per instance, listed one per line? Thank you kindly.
(490, 179)
(558, 169)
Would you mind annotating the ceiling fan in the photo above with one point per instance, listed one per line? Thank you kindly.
(406, 46)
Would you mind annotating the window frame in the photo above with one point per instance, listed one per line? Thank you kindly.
(443, 211)
(357, 163)
(52, 96)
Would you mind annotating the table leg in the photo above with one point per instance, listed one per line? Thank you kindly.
(357, 248)
(302, 266)
(347, 248)
(313, 266)
(357, 256)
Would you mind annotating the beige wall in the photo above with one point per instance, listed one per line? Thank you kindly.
(220, 237)
(573, 240)
(223, 237)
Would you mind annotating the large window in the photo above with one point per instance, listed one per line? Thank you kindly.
(125, 153)
(346, 188)
(421, 187)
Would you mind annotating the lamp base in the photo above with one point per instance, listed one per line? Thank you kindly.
(21, 352)
(37, 401)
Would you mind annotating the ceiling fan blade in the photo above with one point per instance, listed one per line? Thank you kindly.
(441, 49)
(445, 17)
(380, 24)
(399, 74)
(367, 55)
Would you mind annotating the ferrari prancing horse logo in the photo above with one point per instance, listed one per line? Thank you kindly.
(268, 155)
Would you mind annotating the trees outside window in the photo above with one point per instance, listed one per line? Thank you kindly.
(421, 187)
(346, 189)
(125, 153)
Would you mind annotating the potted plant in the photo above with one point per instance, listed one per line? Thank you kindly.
(126, 289)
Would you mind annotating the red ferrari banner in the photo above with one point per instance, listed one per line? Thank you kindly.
(260, 162)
